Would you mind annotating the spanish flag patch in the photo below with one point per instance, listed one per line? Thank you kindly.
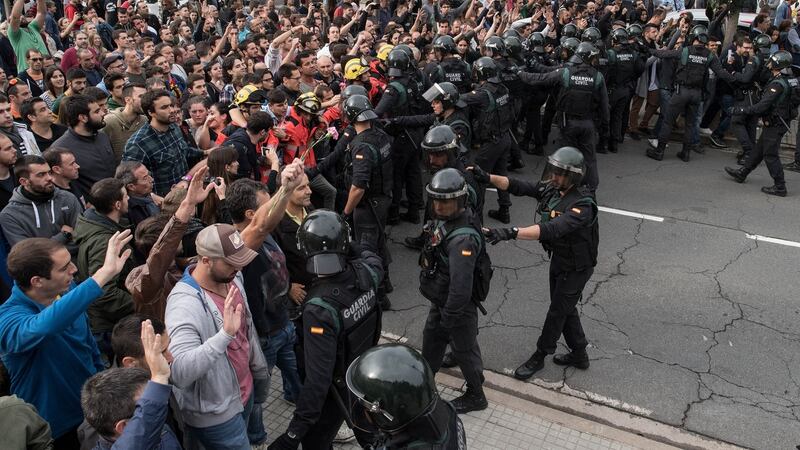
(359, 156)
(576, 210)
(466, 252)
(317, 330)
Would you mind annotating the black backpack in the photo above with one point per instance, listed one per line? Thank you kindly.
(482, 277)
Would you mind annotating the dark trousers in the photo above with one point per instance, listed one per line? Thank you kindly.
(533, 122)
(619, 100)
(582, 135)
(744, 128)
(797, 144)
(492, 157)
(322, 433)
(407, 173)
(684, 101)
(766, 149)
(369, 223)
(566, 289)
(463, 340)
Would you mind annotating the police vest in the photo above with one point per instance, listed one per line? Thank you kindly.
(353, 305)
(459, 121)
(576, 99)
(692, 70)
(497, 117)
(409, 90)
(379, 145)
(509, 78)
(622, 64)
(789, 100)
(576, 250)
(456, 71)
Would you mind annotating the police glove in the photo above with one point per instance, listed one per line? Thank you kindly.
(495, 235)
(480, 175)
(286, 441)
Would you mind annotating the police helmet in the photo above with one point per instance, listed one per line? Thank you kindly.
(496, 45)
(635, 30)
(565, 162)
(394, 384)
(620, 36)
(445, 92)
(445, 44)
(351, 90)
(324, 240)
(700, 33)
(762, 42)
(308, 103)
(357, 108)
(354, 69)
(536, 42)
(405, 49)
(484, 69)
(591, 34)
(512, 32)
(448, 184)
(569, 30)
(570, 45)
(513, 45)
(441, 139)
(398, 62)
(779, 60)
(586, 51)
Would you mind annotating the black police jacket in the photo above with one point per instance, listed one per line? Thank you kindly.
(587, 103)
(370, 166)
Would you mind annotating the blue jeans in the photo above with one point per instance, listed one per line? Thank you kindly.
(693, 128)
(726, 107)
(231, 435)
(664, 96)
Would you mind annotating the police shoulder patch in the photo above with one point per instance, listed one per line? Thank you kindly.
(576, 210)
(359, 156)
(466, 252)
(317, 330)
(772, 90)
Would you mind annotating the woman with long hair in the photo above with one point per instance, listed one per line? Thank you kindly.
(233, 71)
(223, 165)
(55, 82)
(211, 134)
(215, 81)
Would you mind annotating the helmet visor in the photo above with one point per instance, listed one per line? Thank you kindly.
(560, 176)
(433, 93)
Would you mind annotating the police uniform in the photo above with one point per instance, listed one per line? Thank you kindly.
(451, 69)
(625, 65)
(536, 62)
(746, 94)
(458, 121)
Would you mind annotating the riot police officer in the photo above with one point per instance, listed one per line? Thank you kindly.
(450, 67)
(401, 98)
(516, 89)
(448, 109)
(449, 261)
(777, 108)
(495, 48)
(397, 391)
(745, 93)
(369, 174)
(624, 66)
(537, 60)
(564, 52)
(568, 231)
(582, 99)
(492, 115)
(443, 149)
(691, 77)
(341, 320)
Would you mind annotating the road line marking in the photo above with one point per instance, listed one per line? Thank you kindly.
(622, 212)
(758, 237)
(393, 337)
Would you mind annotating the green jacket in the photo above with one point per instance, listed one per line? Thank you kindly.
(92, 233)
(22, 427)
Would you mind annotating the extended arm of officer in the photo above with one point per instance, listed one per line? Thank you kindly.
(362, 170)
(516, 187)
(417, 121)
(541, 79)
(665, 53)
(462, 253)
(720, 71)
(578, 216)
(750, 71)
(770, 96)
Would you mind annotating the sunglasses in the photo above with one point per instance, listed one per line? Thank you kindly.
(37, 59)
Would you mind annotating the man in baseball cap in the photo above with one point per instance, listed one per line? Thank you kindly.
(222, 241)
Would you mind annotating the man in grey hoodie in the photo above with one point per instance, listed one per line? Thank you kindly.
(37, 207)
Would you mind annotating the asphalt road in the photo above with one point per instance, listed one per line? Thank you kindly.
(691, 321)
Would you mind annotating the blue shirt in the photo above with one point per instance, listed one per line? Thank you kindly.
(49, 352)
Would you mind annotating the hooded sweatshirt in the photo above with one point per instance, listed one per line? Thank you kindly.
(23, 218)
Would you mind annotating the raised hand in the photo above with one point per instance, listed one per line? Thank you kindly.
(232, 315)
(153, 345)
(197, 193)
(115, 257)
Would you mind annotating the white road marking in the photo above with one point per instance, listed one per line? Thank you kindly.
(393, 337)
(758, 237)
(622, 212)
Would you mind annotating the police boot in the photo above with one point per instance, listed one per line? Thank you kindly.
(780, 191)
(739, 174)
(534, 364)
(575, 358)
(516, 163)
(613, 146)
(449, 360)
(394, 215)
(656, 153)
(501, 214)
(472, 400)
(416, 243)
(741, 157)
(602, 146)
(684, 153)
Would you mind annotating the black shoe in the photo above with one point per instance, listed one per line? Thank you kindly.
(516, 163)
(577, 359)
(449, 360)
(394, 216)
(634, 135)
(717, 141)
(534, 364)
(386, 305)
(684, 154)
(500, 215)
(416, 243)
(538, 150)
(601, 147)
(470, 401)
(411, 216)
(737, 174)
(388, 287)
(793, 166)
(655, 153)
(780, 191)
(699, 149)
(613, 147)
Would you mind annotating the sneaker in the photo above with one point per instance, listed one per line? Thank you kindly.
(793, 166)
(705, 131)
(717, 141)
(344, 435)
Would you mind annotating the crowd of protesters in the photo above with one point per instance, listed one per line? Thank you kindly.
(142, 145)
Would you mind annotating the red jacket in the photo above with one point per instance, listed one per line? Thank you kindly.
(299, 135)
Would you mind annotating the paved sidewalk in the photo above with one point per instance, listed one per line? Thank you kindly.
(509, 423)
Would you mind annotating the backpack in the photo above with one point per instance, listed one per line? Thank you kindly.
(787, 108)
(482, 276)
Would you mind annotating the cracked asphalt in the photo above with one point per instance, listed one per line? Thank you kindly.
(690, 322)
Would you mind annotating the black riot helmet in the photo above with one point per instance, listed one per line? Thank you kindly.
(358, 109)
(440, 139)
(779, 60)
(762, 42)
(351, 90)
(569, 30)
(496, 45)
(395, 385)
(536, 42)
(587, 52)
(398, 62)
(513, 46)
(592, 35)
(324, 240)
(700, 33)
(565, 168)
(484, 69)
(512, 32)
(620, 36)
(445, 92)
(448, 184)
(445, 44)
(406, 49)
(635, 30)
(570, 45)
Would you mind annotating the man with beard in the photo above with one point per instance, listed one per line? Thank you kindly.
(37, 208)
(40, 119)
(91, 148)
(159, 144)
